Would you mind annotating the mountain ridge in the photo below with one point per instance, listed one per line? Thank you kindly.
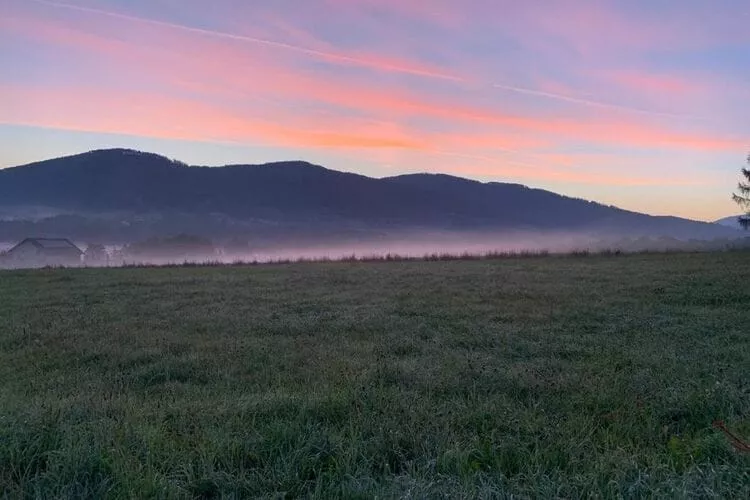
(298, 193)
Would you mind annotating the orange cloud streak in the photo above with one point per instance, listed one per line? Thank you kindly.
(153, 115)
(132, 114)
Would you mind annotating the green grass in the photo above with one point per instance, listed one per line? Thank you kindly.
(594, 376)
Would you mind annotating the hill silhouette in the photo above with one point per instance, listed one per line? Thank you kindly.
(732, 221)
(140, 186)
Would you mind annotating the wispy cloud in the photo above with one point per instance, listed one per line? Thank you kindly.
(383, 63)
(423, 84)
(372, 61)
(583, 101)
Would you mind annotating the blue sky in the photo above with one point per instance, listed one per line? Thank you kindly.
(641, 104)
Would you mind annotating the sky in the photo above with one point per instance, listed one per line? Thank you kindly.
(641, 104)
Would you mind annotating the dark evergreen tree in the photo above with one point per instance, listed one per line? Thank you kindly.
(742, 197)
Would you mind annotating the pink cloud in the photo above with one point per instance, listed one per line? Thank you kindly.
(306, 45)
(133, 114)
(156, 115)
(219, 68)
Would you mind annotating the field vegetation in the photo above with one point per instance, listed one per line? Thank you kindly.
(553, 376)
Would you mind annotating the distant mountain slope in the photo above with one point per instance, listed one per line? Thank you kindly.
(732, 222)
(299, 193)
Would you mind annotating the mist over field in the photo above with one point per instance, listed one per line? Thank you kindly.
(418, 245)
(424, 243)
(193, 249)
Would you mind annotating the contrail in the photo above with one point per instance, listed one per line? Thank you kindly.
(351, 60)
(585, 102)
(330, 56)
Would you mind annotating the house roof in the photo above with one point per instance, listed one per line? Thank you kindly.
(50, 244)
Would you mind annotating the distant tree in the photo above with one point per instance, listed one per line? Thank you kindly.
(742, 197)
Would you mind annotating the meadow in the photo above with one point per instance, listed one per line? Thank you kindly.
(560, 376)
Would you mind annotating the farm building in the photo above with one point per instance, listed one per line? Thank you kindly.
(40, 252)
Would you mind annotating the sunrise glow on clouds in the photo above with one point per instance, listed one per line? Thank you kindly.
(641, 104)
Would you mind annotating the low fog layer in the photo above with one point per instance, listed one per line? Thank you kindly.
(421, 245)
(195, 249)
(416, 246)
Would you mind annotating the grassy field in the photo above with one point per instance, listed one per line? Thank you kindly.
(540, 377)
